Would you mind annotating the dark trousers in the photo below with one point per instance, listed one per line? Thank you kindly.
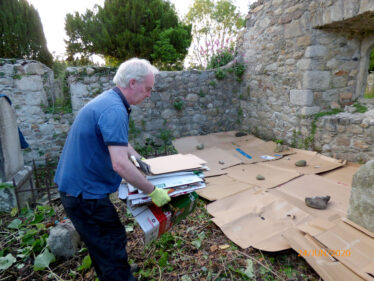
(98, 224)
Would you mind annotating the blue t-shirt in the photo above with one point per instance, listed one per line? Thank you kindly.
(85, 166)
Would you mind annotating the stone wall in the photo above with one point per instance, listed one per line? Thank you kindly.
(33, 91)
(303, 57)
(207, 104)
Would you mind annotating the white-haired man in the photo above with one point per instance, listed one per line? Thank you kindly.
(95, 158)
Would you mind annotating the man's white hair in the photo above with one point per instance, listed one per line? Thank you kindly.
(134, 68)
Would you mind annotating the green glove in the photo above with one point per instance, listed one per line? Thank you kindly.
(160, 196)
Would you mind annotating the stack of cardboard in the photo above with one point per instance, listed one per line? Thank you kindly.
(181, 175)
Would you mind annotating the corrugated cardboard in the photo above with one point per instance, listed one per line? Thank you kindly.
(316, 163)
(217, 159)
(222, 140)
(221, 187)
(344, 174)
(326, 266)
(174, 163)
(155, 221)
(344, 237)
(296, 190)
(256, 219)
(274, 176)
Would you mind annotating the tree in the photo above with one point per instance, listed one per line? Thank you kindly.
(123, 29)
(214, 28)
(21, 32)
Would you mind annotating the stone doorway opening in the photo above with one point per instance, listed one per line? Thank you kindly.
(369, 90)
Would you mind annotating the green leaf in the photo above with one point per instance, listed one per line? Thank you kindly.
(249, 269)
(15, 224)
(14, 211)
(86, 263)
(43, 260)
(7, 261)
(186, 278)
(196, 243)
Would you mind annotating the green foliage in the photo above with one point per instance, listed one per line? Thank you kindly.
(212, 83)
(6, 185)
(86, 263)
(371, 63)
(220, 74)
(61, 105)
(7, 261)
(360, 108)
(220, 59)
(214, 25)
(43, 260)
(123, 29)
(22, 33)
(239, 70)
(178, 104)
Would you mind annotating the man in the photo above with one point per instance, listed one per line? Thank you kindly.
(95, 158)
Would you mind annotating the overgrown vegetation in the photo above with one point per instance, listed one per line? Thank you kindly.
(195, 249)
(308, 142)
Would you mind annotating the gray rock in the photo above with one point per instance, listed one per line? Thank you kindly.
(317, 202)
(300, 163)
(63, 239)
(361, 204)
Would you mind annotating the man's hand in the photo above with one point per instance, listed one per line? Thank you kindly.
(143, 166)
(160, 196)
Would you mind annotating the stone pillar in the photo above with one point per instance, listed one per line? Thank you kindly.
(11, 159)
(361, 204)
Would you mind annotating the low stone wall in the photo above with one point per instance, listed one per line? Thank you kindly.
(346, 135)
(183, 103)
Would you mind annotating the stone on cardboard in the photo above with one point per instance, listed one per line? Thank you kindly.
(361, 204)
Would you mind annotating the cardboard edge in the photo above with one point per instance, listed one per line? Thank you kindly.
(358, 227)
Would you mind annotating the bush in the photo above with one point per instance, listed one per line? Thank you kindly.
(220, 59)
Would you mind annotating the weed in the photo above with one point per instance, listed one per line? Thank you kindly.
(212, 83)
(178, 104)
(220, 74)
(360, 108)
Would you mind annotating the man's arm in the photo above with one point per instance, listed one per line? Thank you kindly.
(132, 151)
(121, 163)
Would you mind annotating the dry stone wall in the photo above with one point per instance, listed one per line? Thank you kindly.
(183, 102)
(32, 89)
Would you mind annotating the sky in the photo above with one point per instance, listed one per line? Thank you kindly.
(52, 14)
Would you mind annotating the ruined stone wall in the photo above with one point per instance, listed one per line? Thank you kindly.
(33, 91)
(206, 104)
(302, 57)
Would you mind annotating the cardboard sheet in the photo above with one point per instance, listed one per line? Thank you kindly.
(351, 247)
(221, 140)
(221, 187)
(274, 176)
(217, 159)
(296, 190)
(316, 163)
(344, 174)
(174, 163)
(327, 267)
(248, 149)
(256, 219)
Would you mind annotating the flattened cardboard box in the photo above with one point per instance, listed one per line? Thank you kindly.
(155, 221)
